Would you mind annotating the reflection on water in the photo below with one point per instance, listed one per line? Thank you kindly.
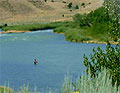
(55, 57)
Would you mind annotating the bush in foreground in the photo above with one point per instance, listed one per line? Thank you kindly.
(110, 59)
(100, 84)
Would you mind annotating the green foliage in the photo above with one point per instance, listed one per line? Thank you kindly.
(80, 19)
(112, 10)
(83, 4)
(76, 35)
(60, 29)
(5, 90)
(94, 17)
(102, 83)
(70, 5)
(110, 59)
(26, 89)
(76, 7)
(96, 22)
(67, 85)
(32, 27)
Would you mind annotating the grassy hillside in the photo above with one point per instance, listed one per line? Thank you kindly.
(32, 11)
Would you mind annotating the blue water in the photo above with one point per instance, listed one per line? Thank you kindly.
(55, 58)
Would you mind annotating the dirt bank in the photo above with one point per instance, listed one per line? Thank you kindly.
(13, 31)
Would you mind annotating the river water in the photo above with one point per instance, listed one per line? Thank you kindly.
(55, 57)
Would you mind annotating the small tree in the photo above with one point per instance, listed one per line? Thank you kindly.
(110, 59)
(83, 4)
(76, 7)
(81, 19)
(70, 5)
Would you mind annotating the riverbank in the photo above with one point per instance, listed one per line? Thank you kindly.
(89, 41)
(76, 34)
(92, 41)
(13, 31)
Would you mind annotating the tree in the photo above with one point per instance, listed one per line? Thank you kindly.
(83, 4)
(110, 59)
(112, 10)
(70, 5)
(115, 29)
(76, 7)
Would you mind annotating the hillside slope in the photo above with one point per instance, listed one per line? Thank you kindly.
(27, 11)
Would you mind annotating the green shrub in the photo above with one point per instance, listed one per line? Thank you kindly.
(31, 27)
(110, 59)
(67, 85)
(70, 5)
(83, 4)
(76, 7)
(96, 22)
(102, 83)
(80, 19)
(60, 29)
(5, 90)
(76, 35)
(112, 13)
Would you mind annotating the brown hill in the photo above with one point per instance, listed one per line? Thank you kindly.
(29, 11)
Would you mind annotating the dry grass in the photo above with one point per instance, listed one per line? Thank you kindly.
(32, 11)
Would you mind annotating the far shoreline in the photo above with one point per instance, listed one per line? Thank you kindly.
(13, 31)
(89, 41)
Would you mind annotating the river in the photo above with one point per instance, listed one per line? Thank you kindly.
(55, 57)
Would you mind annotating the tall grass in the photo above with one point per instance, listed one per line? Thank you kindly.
(67, 86)
(33, 27)
(26, 89)
(100, 84)
(28, 27)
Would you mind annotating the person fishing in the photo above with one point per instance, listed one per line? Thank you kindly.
(35, 61)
